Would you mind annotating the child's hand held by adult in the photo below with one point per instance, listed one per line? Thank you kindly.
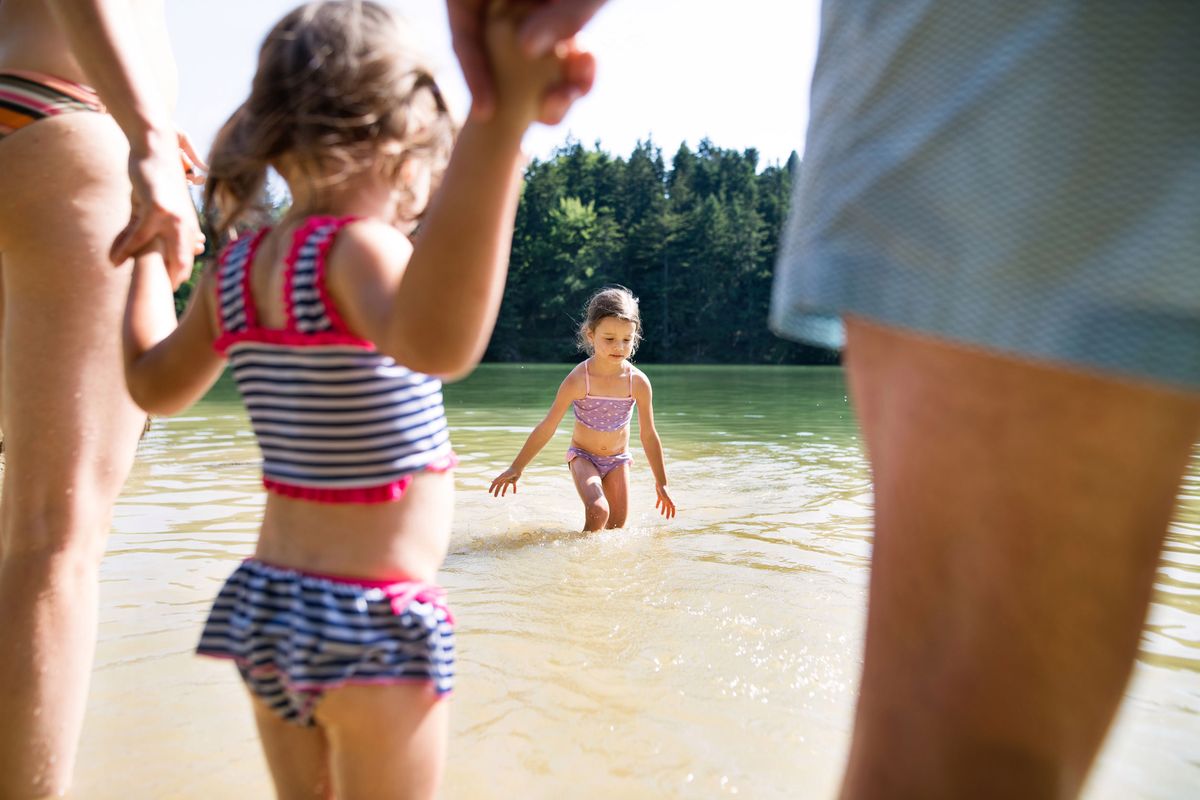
(518, 80)
(162, 214)
(525, 88)
(556, 22)
(542, 27)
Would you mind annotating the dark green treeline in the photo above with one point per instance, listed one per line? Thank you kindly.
(696, 242)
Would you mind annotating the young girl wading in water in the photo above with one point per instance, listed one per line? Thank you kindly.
(603, 391)
(335, 325)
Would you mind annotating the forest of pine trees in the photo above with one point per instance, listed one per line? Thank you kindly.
(695, 241)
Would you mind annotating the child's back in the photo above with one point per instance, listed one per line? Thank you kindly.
(344, 430)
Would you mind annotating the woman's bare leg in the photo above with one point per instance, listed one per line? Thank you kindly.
(1019, 514)
(1, 373)
(70, 430)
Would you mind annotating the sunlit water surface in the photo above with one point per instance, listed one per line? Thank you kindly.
(715, 654)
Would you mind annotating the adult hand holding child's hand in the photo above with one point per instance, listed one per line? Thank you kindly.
(162, 210)
(542, 25)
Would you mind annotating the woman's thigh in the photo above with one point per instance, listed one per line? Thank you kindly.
(68, 420)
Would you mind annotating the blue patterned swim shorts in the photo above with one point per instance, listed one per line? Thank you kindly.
(1019, 176)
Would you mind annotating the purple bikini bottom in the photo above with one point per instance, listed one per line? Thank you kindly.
(603, 464)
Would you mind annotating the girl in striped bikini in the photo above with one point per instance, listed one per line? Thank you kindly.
(602, 391)
(335, 325)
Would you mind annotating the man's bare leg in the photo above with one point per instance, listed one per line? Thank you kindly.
(1020, 510)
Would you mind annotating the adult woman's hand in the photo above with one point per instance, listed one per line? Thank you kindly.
(163, 213)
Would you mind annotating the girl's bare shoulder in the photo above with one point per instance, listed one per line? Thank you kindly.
(575, 384)
(371, 244)
(641, 383)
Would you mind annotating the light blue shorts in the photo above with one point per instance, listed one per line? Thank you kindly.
(1022, 176)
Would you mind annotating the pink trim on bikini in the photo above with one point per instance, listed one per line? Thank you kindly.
(400, 592)
(331, 311)
(300, 238)
(290, 338)
(289, 272)
(322, 688)
(247, 301)
(248, 308)
(286, 336)
(386, 493)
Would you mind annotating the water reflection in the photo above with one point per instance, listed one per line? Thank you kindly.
(712, 655)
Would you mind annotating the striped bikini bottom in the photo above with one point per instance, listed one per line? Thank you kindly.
(26, 97)
(295, 636)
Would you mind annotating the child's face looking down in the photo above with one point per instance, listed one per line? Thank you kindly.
(612, 339)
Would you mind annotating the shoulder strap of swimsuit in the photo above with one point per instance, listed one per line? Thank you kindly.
(631, 380)
(587, 382)
(235, 302)
(309, 306)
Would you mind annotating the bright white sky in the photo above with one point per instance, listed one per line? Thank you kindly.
(673, 70)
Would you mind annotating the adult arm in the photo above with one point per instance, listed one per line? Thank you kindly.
(103, 39)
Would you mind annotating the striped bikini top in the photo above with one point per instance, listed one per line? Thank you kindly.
(336, 420)
(603, 413)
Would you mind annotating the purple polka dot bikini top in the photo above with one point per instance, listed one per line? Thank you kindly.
(603, 413)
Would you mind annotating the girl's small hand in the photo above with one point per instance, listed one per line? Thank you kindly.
(500, 485)
(528, 88)
(664, 503)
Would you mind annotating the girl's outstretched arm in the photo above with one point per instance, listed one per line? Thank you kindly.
(168, 366)
(651, 444)
(570, 389)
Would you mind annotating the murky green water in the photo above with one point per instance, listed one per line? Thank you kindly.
(715, 654)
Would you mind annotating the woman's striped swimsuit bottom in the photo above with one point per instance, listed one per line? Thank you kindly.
(26, 97)
(295, 636)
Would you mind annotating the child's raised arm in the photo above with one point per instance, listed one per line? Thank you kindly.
(445, 304)
(167, 366)
(570, 389)
(651, 444)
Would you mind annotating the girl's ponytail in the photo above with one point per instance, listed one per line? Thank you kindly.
(237, 172)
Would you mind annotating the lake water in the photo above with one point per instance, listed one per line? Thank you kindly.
(716, 654)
